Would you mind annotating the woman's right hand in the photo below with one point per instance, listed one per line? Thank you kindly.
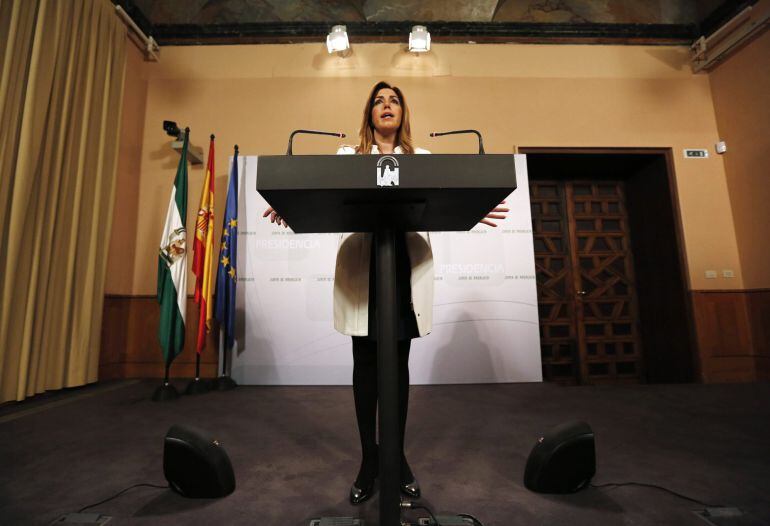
(274, 217)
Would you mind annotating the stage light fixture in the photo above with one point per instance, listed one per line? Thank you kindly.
(563, 460)
(419, 39)
(337, 40)
(195, 464)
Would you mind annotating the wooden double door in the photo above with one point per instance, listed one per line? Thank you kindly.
(589, 322)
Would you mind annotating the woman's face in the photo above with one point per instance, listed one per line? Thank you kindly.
(386, 111)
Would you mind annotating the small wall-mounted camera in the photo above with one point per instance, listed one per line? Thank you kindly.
(172, 130)
(194, 153)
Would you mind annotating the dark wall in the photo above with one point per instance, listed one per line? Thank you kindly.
(663, 308)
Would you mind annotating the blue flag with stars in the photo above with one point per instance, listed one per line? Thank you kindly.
(228, 259)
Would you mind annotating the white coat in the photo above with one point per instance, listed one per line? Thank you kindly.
(351, 275)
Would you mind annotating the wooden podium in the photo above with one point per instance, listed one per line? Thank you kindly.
(385, 194)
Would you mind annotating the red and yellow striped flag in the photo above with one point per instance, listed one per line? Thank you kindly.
(203, 249)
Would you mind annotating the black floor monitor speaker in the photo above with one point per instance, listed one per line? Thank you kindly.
(195, 464)
(563, 460)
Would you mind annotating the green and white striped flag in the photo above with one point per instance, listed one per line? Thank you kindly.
(172, 265)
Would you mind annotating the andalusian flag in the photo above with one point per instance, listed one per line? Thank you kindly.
(203, 248)
(172, 265)
(228, 259)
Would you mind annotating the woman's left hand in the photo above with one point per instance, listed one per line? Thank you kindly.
(497, 213)
(274, 217)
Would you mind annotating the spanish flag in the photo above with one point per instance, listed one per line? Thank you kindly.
(203, 249)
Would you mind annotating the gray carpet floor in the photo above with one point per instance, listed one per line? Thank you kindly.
(295, 452)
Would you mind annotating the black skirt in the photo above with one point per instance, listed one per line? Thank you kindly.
(406, 322)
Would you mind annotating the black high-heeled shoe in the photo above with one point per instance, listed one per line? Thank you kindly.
(359, 495)
(412, 489)
(409, 484)
(361, 490)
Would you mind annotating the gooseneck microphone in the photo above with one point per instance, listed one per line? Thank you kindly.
(481, 142)
(310, 132)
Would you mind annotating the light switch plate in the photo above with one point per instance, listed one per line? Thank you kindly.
(728, 273)
(711, 274)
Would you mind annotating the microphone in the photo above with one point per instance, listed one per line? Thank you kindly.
(481, 142)
(311, 132)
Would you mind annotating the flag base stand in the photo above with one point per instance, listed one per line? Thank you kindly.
(197, 386)
(164, 393)
(224, 383)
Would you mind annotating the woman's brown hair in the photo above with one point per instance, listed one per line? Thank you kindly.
(366, 133)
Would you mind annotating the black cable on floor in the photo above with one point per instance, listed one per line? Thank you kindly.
(421, 507)
(476, 522)
(642, 484)
(121, 492)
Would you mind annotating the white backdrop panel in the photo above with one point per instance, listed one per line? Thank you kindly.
(485, 318)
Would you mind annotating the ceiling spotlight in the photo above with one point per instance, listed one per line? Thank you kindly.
(419, 39)
(337, 40)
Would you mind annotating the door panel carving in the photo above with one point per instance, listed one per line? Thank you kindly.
(585, 276)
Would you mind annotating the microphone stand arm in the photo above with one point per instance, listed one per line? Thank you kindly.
(311, 132)
(481, 141)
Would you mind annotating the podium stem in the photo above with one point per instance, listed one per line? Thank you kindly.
(387, 366)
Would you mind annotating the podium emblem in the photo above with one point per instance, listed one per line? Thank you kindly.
(387, 171)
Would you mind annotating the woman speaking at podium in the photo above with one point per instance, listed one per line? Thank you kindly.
(385, 129)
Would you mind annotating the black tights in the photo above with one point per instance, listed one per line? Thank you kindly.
(365, 395)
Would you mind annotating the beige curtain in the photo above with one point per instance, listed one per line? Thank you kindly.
(62, 64)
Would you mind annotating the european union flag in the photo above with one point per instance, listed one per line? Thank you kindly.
(228, 260)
